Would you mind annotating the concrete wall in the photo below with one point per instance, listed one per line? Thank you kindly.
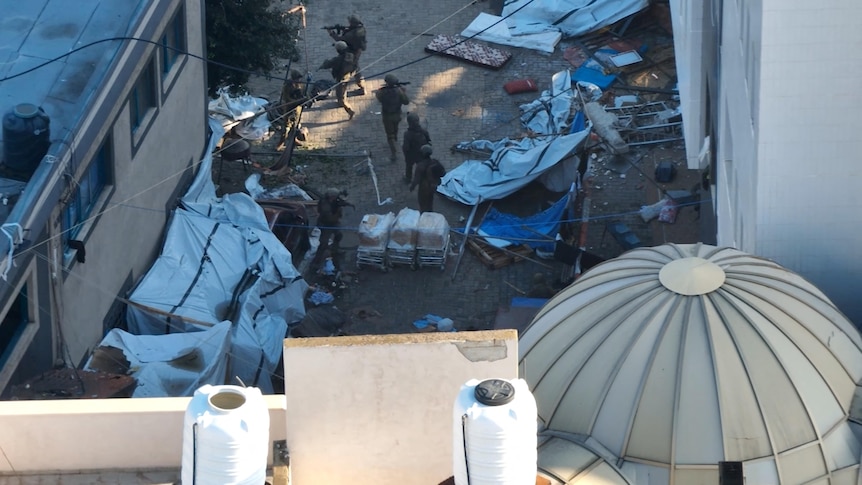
(378, 409)
(810, 150)
(693, 35)
(124, 240)
(737, 126)
(80, 435)
(789, 145)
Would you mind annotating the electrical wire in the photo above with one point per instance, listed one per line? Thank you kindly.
(124, 203)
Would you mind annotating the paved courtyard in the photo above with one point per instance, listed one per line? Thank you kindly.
(456, 101)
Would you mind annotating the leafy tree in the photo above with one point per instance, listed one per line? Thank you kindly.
(250, 36)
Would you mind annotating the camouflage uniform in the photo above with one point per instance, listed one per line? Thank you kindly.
(342, 67)
(354, 37)
(427, 175)
(290, 109)
(414, 137)
(391, 96)
(329, 213)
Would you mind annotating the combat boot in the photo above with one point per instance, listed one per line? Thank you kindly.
(392, 151)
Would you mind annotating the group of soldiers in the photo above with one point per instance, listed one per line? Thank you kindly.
(421, 170)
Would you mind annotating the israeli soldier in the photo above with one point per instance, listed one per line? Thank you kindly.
(354, 37)
(342, 67)
(292, 100)
(392, 97)
(329, 213)
(414, 137)
(427, 175)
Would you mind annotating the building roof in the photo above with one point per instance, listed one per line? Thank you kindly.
(692, 354)
(36, 31)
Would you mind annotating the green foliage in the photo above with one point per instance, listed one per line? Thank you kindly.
(249, 35)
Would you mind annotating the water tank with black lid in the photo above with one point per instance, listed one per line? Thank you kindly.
(26, 138)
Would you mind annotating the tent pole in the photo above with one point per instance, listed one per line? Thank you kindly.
(466, 233)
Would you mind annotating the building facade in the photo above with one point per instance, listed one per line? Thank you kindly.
(769, 95)
(124, 88)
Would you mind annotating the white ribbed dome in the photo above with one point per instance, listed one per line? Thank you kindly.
(566, 459)
(689, 355)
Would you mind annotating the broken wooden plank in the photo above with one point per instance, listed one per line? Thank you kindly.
(493, 257)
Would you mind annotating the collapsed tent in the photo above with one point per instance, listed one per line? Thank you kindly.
(513, 164)
(492, 28)
(169, 365)
(571, 17)
(220, 262)
(540, 24)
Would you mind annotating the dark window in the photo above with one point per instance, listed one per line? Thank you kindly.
(143, 97)
(85, 195)
(173, 41)
(13, 325)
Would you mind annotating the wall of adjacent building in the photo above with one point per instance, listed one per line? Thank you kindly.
(148, 174)
(791, 147)
(694, 25)
(379, 409)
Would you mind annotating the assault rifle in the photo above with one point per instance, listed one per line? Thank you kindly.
(402, 83)
(337, 27)
(342, 202)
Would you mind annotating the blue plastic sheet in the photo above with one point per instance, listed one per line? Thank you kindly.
(526, 230)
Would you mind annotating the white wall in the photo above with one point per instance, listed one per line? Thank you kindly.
(809, 148)
(78, 435)
(692, 37)
(737, 124)
(378, 409)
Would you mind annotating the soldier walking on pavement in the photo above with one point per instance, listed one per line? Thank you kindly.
(391, 96)
(414, 137)
(354, 36)
(427, 175)
(342, 67)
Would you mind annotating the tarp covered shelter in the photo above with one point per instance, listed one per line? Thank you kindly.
(173, 365)
(220, 262)
(513, 164)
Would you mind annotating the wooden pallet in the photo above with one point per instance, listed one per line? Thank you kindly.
(494, 257)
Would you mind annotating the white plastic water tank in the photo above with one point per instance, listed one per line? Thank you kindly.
(494, 420)
(226, 437)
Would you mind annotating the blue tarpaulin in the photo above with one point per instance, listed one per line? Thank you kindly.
(528, 230)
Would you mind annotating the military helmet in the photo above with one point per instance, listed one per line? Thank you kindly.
(340, 45)
(391, 79)
(426, 149)
(412, 119)
(295, 75)
(354, 20)
(332, 192)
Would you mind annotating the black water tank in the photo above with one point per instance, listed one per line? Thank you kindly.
(26, 138)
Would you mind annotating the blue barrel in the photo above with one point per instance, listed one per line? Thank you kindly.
(26, 138)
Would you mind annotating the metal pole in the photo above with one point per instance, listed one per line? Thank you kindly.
(464, 240)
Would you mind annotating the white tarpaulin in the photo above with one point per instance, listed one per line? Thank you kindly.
(514, 164)
(173, 365)
(492, 28)
(540, 24)
(571, 17)
(220, 262)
